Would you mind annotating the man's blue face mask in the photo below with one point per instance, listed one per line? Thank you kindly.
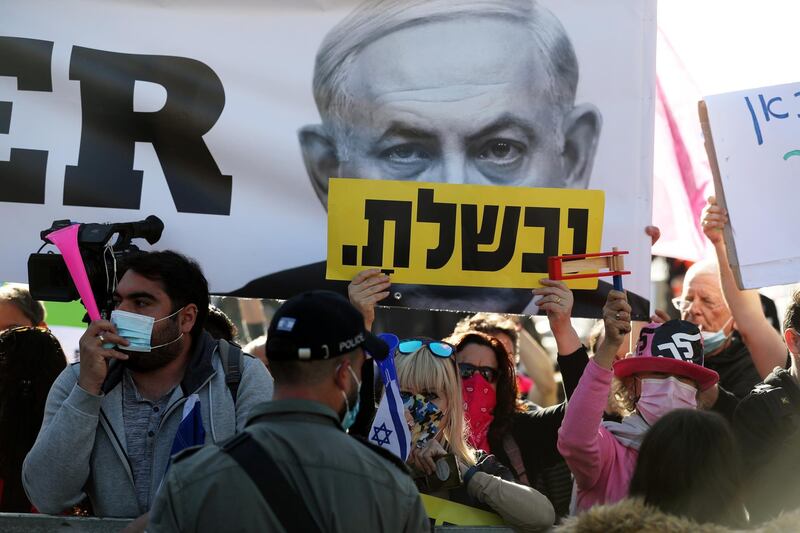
(713, 340)
(138, 329)
(351, 413)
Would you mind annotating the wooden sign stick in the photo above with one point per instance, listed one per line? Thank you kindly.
(719, 193)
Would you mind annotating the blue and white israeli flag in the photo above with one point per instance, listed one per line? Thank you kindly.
(390, 429)
(190, 431)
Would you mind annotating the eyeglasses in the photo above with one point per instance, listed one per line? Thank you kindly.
(467, 371)
(437, 348)
(682, 305)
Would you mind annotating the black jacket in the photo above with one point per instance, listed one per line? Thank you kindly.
(766, 423)
(536, 434)
(737, 373)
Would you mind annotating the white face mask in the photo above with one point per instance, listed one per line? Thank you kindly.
(137, 329)
(660, 396)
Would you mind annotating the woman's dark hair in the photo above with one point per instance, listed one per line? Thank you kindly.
(792, 318)
(507, 394)
(30, 361)
(220, 326)
(689, 465)
(181, 278)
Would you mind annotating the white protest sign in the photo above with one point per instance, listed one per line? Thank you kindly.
(756, 137)
(226, 120)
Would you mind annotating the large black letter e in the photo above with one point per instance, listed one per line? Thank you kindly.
(22, 177)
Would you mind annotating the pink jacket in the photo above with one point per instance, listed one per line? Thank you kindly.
(602, 465)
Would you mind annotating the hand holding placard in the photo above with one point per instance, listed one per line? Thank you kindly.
(753, 142)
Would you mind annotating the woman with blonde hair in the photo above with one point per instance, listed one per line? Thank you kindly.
(431, 391)
(427, 377)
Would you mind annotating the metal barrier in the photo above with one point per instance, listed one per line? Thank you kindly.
(36, 523)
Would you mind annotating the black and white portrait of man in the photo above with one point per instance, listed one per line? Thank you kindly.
(454, 91)
(517, 93)
(450, 91)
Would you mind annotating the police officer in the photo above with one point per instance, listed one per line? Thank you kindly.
(295, 468)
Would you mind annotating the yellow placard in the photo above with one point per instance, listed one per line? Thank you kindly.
(456, 234)
(444, 512)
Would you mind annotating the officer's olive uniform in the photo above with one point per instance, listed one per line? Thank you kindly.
(345, 485)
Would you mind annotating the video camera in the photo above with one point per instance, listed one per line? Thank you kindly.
(50, 280)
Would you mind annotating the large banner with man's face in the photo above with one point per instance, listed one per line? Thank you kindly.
(226, 120)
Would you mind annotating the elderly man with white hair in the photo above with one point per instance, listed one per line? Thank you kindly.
(455, 91)
(739, 342)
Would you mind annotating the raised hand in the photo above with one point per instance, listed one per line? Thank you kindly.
(654, 232)
(95, 358)
(557, 301)
(367, 289)
(660, 317)
(713, 221)
(617, 319)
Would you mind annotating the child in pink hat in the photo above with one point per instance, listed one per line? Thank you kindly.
(664, 374)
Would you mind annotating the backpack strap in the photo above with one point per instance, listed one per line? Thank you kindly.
(384, 453)
(289, 508)
(232, 364)
(515, 457)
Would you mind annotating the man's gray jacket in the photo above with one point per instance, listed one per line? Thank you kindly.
(81, 447)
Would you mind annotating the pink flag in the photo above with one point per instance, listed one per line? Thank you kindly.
(681, 175)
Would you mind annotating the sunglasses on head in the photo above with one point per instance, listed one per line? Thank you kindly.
(437, 348)
(467, 370)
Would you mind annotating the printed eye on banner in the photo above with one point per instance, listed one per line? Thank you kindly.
(453, 234)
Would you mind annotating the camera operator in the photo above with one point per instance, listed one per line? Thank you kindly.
(113, 420)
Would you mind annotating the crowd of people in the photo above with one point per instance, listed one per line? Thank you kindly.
(167, 421)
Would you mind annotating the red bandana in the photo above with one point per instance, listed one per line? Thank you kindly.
(479, 402)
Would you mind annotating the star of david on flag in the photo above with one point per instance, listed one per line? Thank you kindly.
(389, 429)
(381, 435)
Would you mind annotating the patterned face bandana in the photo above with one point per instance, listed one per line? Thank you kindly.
(480, 400)
(426, 416)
